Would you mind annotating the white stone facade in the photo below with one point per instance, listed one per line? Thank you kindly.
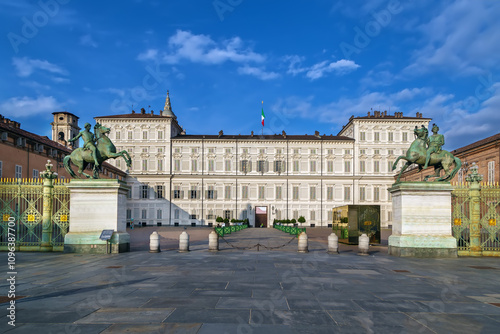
(192, 179)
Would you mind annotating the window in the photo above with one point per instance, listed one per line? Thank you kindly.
(390, 136)
(330, 152)
(295, 214)
(330, 215)
(376, 152)
(144, 150)
(194, 165)
(347, 166)
(129, 193)
(118, 135)
(389, 215)
(279, 150)
(19, 172)
(295, 192)
(389, 165)
(278, 214)
(177, 165)
(227, 192)
(329, 166)
(129, 214)
(160, 134)
(159, 192)
(278, 166)
(211, 165)
(160, 149)
(245, 166)
(262, 151)
(362, 151)
(129, 136)
(262, 190)
(144, 135)
(362, 166)
(376, 194)
(313, 215)
(312, 193)
(329, 193)
(210, 192)
(227, 165)
(278, 192)
(178, 192)
(347, 151)
(160, 165)
(228, 151)
(227, 214)
(296, 151)
(194, 150)
(193, 194)
(176, 214)
(362, 135)
(390, 152)
(347, 193)
(405, 136)
(144, 165)
(313, 151)
(376, 166)
(118, 163)
(144, 214)
(296, 165)
(261, 166)
(193, 216)
(244, 192)
(177, 150)
(210, 214)
(144, 191)
(36, 174)
(376, 136)
(362, 193)
(159, 214)
(491, 171)
(245, 151)
(312, 165)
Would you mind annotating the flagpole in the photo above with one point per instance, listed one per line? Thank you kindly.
(262, 119)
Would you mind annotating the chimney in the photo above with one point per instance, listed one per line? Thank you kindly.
(251, 134)
(161, 112)
(143, 111)
(221, 133)
(368, 114)
(152, 112)
(284, 134)
(133, 111)
(316, 134)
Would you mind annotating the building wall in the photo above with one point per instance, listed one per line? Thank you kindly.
(326, 173)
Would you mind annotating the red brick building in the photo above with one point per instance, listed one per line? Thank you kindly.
(24, 154)
(485, 153)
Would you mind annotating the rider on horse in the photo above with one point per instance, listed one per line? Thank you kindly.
(88, 142)
(434, 142)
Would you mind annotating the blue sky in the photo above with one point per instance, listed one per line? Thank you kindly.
(313, 63)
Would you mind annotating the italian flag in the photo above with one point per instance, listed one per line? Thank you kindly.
(262, 115)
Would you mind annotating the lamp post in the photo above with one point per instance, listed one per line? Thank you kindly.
(475, 193)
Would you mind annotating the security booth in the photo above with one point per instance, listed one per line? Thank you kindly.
(350, 221)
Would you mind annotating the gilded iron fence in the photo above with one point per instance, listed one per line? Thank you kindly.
(475, 212)
(23, 200)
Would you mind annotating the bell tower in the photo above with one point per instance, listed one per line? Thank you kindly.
(64, 127)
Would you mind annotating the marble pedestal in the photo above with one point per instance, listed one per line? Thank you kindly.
(422, 220)
(96, 205)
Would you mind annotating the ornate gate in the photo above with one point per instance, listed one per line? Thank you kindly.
(475, 213)
(35, 211)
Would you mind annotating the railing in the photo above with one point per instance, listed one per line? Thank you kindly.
(292, 230)
(39, 209)
(475, 214)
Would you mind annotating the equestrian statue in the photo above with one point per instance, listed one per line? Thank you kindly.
(96, 149)
(426, 151)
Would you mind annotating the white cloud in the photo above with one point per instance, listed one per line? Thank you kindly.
(184, 45)
(258, 72)
(26, 66)
(463, 38)
(27, 106)
(339, 67)
(320, 69)
(86, 40)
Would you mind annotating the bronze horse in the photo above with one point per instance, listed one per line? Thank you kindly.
(443, 160)
(105, 150)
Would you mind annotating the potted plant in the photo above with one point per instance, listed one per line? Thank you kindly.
(226, 221)
(219, 220)
(294, 222)
(301, 220)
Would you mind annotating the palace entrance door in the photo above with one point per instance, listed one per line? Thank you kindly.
(261, 216)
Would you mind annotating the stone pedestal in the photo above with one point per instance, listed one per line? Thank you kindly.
(96, 205)
(422, 220)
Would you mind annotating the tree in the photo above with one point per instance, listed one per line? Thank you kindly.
(301, 220)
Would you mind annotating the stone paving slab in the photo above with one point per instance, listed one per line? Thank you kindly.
(254, 292)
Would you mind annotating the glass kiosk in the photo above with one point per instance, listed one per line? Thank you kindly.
(350, 221)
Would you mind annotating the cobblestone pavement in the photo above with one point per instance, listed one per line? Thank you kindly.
(265, 291)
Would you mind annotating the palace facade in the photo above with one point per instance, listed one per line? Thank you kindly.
(182, 179)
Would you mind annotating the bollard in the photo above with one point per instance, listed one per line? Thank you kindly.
(213, 241)
(303, 243)
(184, 242)
(364, 244)
(154, 243)
(333, 243)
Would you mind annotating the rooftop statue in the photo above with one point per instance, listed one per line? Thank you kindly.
(97, 148)
(426, 151)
